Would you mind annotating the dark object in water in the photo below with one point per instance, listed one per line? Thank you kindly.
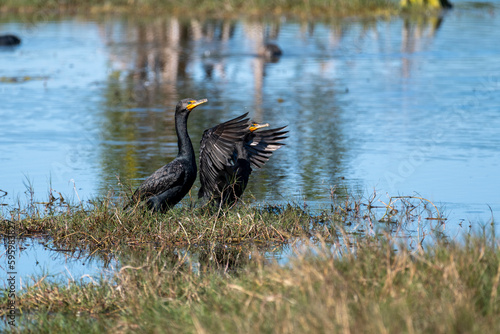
(169, 184)
(9, 40)
(446, 4)
(229, 152)
(271, 52)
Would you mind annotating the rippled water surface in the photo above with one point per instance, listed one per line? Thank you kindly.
(399, 106)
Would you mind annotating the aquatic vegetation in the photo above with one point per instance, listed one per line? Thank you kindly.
(103, 225)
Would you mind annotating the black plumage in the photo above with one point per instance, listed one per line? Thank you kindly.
(228, 154)
(9, 40)
(169, 184)
(217, 148)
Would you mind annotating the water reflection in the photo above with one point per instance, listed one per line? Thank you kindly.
(417, 35)
(38, 259)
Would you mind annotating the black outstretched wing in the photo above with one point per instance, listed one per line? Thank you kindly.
(163, 179)
(216, 150)
(261, 144)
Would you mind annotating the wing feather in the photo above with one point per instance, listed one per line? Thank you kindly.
(261, 145)
(229, 151)
(217, 150)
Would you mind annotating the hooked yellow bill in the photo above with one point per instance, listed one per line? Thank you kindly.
(256, 126)
(194, 103)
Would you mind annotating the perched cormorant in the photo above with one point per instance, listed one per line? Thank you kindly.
(228, 152)
(9, 40)
(169, 184)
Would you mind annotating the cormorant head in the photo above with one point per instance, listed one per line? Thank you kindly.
(187, 105)
(255, 126)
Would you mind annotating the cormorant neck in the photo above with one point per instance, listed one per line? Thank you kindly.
(183, 140)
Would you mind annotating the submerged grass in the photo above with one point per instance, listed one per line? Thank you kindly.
(321, 8)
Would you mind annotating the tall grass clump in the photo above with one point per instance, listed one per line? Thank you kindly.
(101, 224)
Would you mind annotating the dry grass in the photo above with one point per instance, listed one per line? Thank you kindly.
(352, 272)
(367, 287)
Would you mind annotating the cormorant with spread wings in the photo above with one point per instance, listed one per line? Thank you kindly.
(228, 154)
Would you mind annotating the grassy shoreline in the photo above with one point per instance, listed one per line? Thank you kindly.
(338, 281)
(214, 8)
(365, 287)
(103, 224)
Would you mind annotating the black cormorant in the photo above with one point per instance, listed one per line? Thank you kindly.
(169, 184)
(228, 152)
(9, 40)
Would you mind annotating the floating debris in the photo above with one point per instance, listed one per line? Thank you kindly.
(25, 78)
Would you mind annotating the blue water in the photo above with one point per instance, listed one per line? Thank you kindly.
(37, 261)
